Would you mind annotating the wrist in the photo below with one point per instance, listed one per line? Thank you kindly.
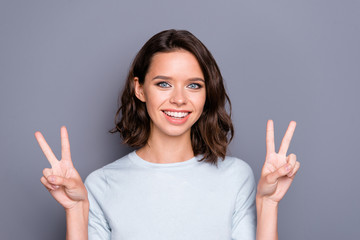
(265, 201)
(266, 210)
(77, 218)
(265, 205)
(80, 206)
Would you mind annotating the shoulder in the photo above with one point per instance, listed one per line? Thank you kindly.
(97, 179)
(237, 170)
(234, 164)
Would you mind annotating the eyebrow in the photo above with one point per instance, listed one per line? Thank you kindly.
(169, 78)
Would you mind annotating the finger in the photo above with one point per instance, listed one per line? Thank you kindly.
(60, 181)
(47, 172)
(270, 144)
(272, 178)
(47, 185)
(45, 148)
(295, 170)
(287, 138)
(291, 159)
(65, 144)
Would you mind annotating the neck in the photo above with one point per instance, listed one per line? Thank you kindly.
(162, 148)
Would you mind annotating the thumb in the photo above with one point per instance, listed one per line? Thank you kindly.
(272, 178)
(61, 181)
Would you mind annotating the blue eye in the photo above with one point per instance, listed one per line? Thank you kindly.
(163, 84)
(194, 85)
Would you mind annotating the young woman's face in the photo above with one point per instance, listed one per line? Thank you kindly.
(174, 92)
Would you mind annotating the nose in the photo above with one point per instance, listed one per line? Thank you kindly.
(178, 97)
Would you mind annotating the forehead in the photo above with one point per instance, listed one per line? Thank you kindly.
(175, 62)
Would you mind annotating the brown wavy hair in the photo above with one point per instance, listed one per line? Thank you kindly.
(213, 131)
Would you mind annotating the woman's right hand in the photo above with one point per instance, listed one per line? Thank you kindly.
(62, 180)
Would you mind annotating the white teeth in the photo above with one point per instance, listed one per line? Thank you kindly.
(176, 114)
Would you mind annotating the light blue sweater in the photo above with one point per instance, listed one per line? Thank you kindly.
(133, 199)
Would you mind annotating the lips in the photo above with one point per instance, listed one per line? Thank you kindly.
(176, 114)
(177, 117)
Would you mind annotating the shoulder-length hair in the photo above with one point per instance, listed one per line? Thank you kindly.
(213, 131)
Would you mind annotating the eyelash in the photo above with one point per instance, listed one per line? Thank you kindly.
(196, 84)
(161, 84)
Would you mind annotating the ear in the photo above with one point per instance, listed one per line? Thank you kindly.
(139, 90)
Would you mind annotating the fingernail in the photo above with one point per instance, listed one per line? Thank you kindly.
(288, 167)
(52, 179)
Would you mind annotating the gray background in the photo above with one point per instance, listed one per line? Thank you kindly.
(64, 63)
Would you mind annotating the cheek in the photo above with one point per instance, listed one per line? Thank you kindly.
(154, 100)
(201, 101)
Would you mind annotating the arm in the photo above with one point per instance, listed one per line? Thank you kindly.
(77, 221)
(65, 185)
(277, 175)
(98, 224)
(266, 219)
(244, 216)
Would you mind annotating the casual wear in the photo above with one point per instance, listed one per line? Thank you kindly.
(133, 199)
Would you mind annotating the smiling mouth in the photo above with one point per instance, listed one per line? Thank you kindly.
(176, 115)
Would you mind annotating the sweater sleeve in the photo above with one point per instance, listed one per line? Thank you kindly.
(98, 226)
(244, 216)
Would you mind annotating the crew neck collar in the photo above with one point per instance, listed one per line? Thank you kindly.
(139, 161)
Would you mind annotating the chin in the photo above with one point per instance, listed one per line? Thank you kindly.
(173, 130)
(177, 132)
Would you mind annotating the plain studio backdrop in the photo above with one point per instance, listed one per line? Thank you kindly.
(65, 62)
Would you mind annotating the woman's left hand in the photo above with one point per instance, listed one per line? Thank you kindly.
(279, 170)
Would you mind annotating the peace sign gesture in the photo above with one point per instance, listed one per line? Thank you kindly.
(62, 180)
(279, 170)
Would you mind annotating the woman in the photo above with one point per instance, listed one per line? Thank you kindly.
(179, 183)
